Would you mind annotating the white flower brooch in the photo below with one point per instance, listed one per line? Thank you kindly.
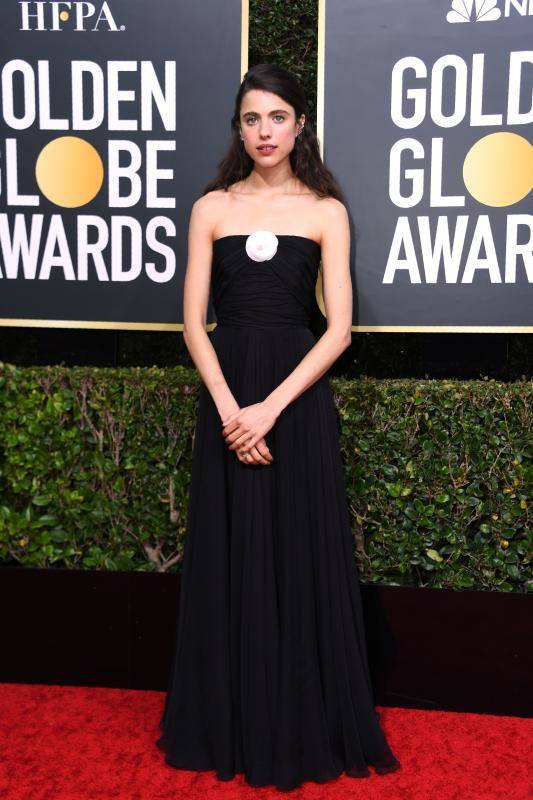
(261, 245)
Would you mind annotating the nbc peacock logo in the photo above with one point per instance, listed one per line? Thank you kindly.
(474, 11)
(488, 10)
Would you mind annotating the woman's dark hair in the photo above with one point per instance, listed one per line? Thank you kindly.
(305, 159)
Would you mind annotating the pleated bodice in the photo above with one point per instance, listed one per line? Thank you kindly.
(279, 291)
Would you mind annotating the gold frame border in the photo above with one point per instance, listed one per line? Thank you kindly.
(172, 326)
(320, 133)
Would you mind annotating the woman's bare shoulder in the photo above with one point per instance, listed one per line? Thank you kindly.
(331, 206)
(333, 218)
(210, 199)
(209, 206)
(214, 202)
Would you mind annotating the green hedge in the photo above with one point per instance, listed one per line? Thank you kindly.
(95, 468)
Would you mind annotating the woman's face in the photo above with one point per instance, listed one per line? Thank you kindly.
(267, 119)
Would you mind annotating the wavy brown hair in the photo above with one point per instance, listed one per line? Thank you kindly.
(305, 158)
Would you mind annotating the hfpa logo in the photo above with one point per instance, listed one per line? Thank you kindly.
(487, 10)
(56, 16)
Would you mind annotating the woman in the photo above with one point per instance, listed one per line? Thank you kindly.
(270, 674)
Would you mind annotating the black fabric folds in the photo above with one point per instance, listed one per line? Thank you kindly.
(269, 675)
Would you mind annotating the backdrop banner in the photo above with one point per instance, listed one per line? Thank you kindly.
(427, 120)
(113, 116)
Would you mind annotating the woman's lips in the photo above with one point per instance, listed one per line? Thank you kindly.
(266, 149)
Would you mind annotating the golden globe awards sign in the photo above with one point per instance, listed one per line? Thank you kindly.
(112, 118)
(427, 123)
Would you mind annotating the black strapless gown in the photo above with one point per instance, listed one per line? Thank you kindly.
(270, 674)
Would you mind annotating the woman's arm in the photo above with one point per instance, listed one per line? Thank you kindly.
(337, 290)
(195, 299)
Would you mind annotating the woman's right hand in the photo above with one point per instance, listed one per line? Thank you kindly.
(258, 454)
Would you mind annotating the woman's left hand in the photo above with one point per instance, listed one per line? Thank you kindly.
(245, 427)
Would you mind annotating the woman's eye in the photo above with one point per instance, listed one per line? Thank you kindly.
(277, 116)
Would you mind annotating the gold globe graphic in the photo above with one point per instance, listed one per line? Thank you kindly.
(69, 171)
(498, 169)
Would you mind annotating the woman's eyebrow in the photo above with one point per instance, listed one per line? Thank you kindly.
(277, 111)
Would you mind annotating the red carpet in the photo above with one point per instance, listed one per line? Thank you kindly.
(83, 743)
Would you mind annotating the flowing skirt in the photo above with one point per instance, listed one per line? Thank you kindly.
(270, 674)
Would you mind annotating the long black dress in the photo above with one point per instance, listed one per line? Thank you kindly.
(270, 674)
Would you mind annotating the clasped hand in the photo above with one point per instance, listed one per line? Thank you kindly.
(244, 431)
